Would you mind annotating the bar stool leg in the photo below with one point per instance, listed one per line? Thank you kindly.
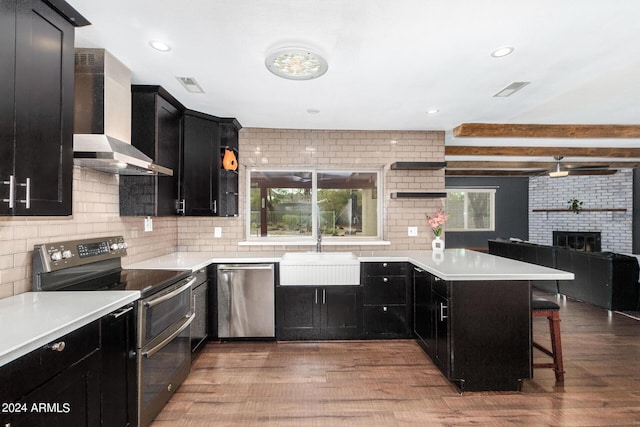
(556, 345)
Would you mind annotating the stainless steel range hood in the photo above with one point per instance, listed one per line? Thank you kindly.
(102, 117)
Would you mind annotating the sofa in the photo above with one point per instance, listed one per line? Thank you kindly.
(605, 279)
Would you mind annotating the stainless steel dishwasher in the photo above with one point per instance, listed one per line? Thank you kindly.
(246, 306)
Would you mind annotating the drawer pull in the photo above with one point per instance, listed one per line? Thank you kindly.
(57, 346)
(385, 280)
(384, 309)
(384, 264)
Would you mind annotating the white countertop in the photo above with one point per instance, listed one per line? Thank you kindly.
(30, 320)
(453, 264)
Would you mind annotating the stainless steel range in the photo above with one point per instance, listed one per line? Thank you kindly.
(163, 314)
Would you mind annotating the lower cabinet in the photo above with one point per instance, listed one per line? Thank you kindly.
(85, 378)
(310, 312)
(387, 300)
(57, 384)
(119, 371)
(476, 332)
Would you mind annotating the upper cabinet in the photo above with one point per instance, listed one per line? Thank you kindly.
(206, 186)
(36, 106)
(156, 119)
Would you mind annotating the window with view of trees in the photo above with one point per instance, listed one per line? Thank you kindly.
(293, 203)
(471, 210)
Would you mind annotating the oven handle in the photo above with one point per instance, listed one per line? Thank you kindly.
(167, 340)
(156, 301)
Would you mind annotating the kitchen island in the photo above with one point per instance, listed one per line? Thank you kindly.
(470, 310)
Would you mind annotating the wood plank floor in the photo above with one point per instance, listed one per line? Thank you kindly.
(394, 383)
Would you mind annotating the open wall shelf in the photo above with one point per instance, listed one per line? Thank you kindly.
(418, 165)
(581, 210)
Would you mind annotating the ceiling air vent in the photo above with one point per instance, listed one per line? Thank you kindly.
(190, 84)
(511, 89)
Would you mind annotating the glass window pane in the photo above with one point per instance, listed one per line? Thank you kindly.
(348, 203)
(281, 203)
(479, 210)
(455, 210)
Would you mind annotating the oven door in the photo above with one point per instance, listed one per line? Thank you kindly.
(162, 311)
(164, 358)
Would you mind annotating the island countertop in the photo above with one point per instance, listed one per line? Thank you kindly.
(452, 264)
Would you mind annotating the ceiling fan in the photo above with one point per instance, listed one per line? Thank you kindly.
(561, 170)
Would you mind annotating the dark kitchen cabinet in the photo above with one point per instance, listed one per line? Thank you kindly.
(118, 368)
(310, 312)
(156, 120)
(58, 384)
(36, 106)
(200, 325)
(206, 188)
(387, 300)
(476, 332)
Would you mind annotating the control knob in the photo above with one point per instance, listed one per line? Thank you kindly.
(56, 256)
(114, 246)
(66, 254)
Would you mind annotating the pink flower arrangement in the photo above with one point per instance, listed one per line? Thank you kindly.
(436, 221)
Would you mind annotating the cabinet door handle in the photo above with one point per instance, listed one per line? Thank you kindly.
(215, 206)
(121, 312)
(27, 199)
(57, 346)
(316, 299)
(12, 195)
(384, 264)
(384, 308)
(182, 206)
(442, 309)
(385, 280)
(324, 296)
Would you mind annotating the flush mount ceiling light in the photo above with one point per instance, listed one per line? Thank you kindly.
(502, 51)
(161, 46)
(432, 112)
(295, 63)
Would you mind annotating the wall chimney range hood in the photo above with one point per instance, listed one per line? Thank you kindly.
(102, 117)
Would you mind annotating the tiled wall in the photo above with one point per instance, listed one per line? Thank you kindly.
(96, 211)
(95, 214)
(596, 192)
(279, 148)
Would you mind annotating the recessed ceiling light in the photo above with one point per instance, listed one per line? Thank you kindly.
(503, 51)
(296, 63)
(161, 46)
(313, 111)
(433, 111)
(393, 141)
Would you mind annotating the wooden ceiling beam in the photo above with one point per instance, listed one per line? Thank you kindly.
(489, 172)
(493, 130)
(499, 164)
(473, 150)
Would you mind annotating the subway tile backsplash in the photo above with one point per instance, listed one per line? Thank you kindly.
(96, 209)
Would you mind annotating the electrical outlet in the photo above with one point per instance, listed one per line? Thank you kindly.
(217, 232)
(148, 224)
(412, 231)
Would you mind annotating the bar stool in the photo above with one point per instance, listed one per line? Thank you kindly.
(550, 310)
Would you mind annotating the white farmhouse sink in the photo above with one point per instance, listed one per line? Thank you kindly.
(319, 269)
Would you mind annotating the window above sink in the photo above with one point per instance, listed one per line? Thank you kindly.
(298, 205)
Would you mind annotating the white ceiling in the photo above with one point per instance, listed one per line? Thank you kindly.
(389, 60)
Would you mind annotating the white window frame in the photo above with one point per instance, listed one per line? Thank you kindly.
(492, 208)
(306, 240)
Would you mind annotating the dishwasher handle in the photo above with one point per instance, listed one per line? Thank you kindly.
(245, 267)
